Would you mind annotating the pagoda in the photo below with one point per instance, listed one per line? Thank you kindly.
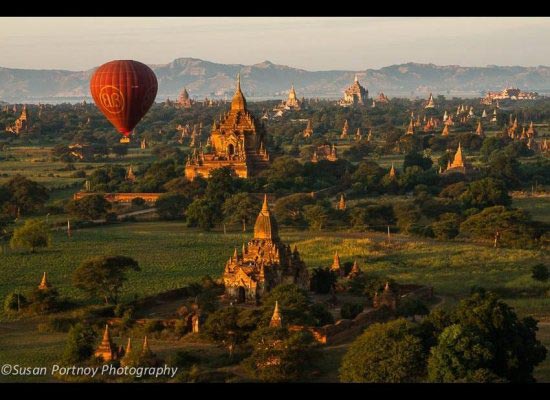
(44, 284)
(336, 267)
(308, 132)
(236, 142)
(355, 270)
(276, 319)
(184, 100)
(387, 298)
(354, 95)
(345, 129)
(106, 350)
(342, 203)
(458, 164)
(431, 102)
(291, 103)
(479, 130)
(392, 173)
(410, 129)
(445, 131)
(264, 263)
(358, 135)
(21, 124)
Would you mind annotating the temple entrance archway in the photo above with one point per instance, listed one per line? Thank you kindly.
(241, 294)
(230, 149)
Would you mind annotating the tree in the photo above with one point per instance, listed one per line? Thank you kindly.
(33, 234)
(104, 276)
(280, 356)
(489, 336)
(44, 301)
(80, 344)
(514, 226)
(89, 208)
(486, 192)
(447, 226)
(221, 185)
(415, 158)
(171, 206)
(289, 209)
(316, 216)
(461, 355)
(14, 302)
(294, 304)
(410, 307)
(540, 272)
(506, 168)
(389, 352)
(322, 280)
(25, 195)
(239, 208)
(223, 326)
(202, 213)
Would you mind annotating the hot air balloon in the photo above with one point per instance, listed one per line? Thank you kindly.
(124, 90)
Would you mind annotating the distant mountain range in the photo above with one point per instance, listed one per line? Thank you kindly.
(268, 80)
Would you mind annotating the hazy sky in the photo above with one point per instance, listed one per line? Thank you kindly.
(311, 43)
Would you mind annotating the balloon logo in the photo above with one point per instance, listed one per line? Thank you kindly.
(124, 90)
(112, 99)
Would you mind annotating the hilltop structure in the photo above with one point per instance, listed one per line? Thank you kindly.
(236, 142)
(355, 95)
(265, 262)
(508, 93)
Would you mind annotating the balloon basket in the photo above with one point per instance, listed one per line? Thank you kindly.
(125, 140)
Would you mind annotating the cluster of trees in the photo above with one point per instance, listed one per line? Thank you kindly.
(248, 330)
(481, 340)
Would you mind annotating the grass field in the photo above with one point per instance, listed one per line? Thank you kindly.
(538, 207)
(171, 255)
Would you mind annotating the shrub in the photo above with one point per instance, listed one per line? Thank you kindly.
(14, 302)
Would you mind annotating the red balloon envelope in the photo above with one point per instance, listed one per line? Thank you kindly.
(124, 90)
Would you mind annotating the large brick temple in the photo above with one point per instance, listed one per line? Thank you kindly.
(236, 141)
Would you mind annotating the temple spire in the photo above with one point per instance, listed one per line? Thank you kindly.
(276, 319)
(145, 350)
(44, 284)
(392, 171)
(336, 267)
(265, 207)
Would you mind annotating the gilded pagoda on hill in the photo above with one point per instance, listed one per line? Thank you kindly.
(264, 263)
(291, 103)
(235, 142)
(355, 95)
